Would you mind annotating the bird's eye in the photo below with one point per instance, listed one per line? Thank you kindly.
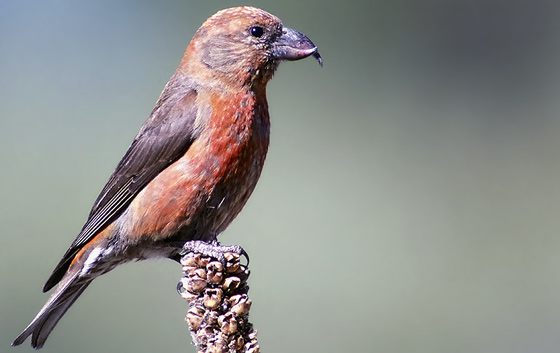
(257, 31)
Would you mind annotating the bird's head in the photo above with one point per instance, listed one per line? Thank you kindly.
(244, 45)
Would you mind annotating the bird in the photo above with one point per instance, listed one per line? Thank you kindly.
(194, 163)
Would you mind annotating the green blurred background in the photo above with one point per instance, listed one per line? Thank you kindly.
(410, 201)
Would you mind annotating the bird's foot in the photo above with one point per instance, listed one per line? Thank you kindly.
(213, 249)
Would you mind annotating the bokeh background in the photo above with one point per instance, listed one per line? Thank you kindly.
(410, 201)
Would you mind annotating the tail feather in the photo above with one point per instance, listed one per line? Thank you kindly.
(59, 302)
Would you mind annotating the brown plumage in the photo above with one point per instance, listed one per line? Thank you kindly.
(194, 163)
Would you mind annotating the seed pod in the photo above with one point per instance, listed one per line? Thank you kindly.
(213, 297)
(252, 347)
(231, 257)
(236, 343)
(231, 284)
(242, 307)
(188, 296)
(243, 273)
(195, 285)
(211, 318)
(253, 335)
(189, 270)
(203, 261)
(228, 324)
(234, 299)
(215, 272)
(194, 317)
(232, 267)
(200, 338)
(232, 262)
(190, 260)
(219, 345)
(215, 266)
(198, 273)
(215, 278)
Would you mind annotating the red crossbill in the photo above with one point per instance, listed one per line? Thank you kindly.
(194, 163)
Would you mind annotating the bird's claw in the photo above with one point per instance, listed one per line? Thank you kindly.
(213, 249)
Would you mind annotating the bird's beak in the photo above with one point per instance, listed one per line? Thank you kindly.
(292, 45)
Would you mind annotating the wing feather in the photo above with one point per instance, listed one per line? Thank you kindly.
(164, 138)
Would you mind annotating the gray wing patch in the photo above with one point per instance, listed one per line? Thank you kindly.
(164, 138)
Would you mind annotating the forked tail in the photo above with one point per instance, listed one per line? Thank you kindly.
(66, 293)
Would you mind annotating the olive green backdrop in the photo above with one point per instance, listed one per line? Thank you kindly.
(410, 201)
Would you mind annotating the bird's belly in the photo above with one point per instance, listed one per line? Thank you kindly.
(199, 195)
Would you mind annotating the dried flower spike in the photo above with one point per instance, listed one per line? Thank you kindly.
(218, 316)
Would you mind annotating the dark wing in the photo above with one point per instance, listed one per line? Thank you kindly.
(164, 138)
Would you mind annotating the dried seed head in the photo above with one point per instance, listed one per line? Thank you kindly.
(219, 305)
